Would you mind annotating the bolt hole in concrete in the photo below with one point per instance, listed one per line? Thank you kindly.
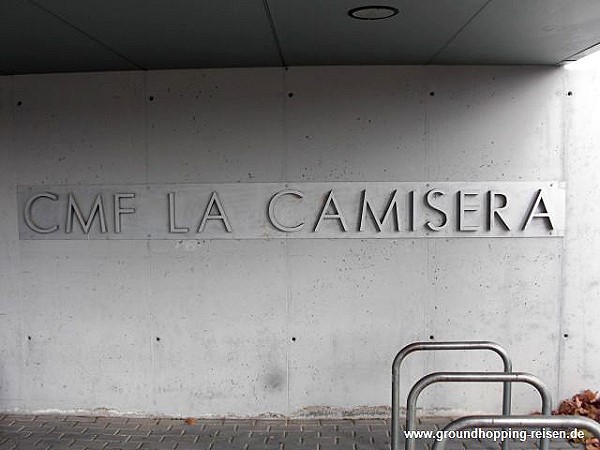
(151, 98)
(19, 103)
(566, 335)
(570, 93)
(290, 94)
(157, 339)
(28, 338)
(432, 93)
(431, 337)
(293, 339)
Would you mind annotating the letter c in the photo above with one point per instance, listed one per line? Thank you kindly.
(272, 217)
(29, 206)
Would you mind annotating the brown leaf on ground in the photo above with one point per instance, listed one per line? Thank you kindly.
(588, 396)
(592, 444)
(587, 404)
(191, 421)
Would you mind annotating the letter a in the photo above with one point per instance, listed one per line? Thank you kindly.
(214, 202)
(331, 202)
(542, 214)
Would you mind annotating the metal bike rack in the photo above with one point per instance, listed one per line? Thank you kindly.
(452, 345)
(450, 377)
(519, 422)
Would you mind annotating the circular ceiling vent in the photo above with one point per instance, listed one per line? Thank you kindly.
(373, 12)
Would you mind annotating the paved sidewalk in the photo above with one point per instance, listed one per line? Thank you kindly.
(110, 433)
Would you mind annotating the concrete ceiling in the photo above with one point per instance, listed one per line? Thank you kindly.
(42, 36)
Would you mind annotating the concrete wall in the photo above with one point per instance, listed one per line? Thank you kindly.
(247, 327)
(578, 359)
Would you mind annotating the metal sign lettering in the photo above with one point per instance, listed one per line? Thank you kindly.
(293, 210)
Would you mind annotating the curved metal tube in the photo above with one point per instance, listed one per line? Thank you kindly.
(452, 345)
(519, 422)
(451, 377)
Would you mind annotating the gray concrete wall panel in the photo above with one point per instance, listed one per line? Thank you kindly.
(581, 273)
(292, 326)
(11, 360)
(215, 126)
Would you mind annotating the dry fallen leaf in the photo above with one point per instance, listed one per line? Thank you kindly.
(592, 444)
(586, 403)
(191, 421)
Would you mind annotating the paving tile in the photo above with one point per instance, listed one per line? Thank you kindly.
(23, 432)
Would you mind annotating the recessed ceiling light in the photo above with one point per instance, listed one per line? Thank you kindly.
(372, 12)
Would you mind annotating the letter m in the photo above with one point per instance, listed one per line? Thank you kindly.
(367, 208)
(73, 210)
